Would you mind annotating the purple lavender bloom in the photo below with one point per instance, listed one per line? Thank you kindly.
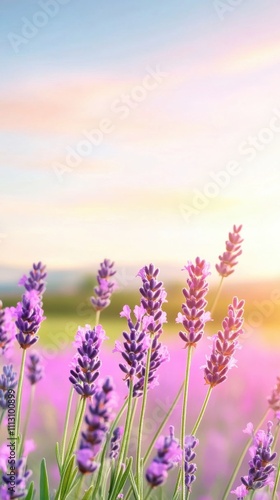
(106, 286)
(35, 368)
(153, 296)
(241, 492)
(85, 461)
(225, 344)
(116, 442)
(261, 468)
(194, 316)
(233, 250)
(189, 455)
(21, 477)
(159, 355)
(29, 319)
(7, 328)
(36, 279)
(8, 381)
(98, 418)
(86, 363)
(169, 454)
(135, 346)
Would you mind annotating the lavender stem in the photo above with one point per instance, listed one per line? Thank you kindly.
(66, 424)
(19, 396)
(184, 416)
(217, 296)
(202, 411)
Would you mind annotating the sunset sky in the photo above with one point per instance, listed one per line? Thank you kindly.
(181, 101)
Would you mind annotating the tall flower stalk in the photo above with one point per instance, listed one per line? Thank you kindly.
(261, 467)
(153, 297)
(29, 314)
(193, 319)
(83, 375)
(100, 301)
(224, 345)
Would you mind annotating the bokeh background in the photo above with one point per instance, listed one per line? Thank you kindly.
(141, 132)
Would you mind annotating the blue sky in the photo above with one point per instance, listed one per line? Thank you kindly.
(183, 93)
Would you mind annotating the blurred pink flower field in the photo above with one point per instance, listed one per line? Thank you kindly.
(242, 399)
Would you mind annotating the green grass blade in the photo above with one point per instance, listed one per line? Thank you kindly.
(30, 492)
(88, 493)
(44, 482)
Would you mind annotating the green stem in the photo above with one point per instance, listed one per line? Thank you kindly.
(71, 446)
(276, 435)
(124, 439)
(252, 494)
(77, 427)
(183, 421)
(148, 493)
(148, 452)
(202, 411)
(79, 486)
(66, 423)
(141, 421)
(217, 297)
(134, 407)
(19, 396)
(102, 460)
(162, 425)
(97, 317)
(2, 415)
(241, 458)
(277, 477)
(30, 404)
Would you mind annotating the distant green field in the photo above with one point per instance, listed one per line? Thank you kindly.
(65, 312)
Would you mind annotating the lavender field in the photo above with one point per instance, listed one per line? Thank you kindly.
(129, 401)
(139, 250)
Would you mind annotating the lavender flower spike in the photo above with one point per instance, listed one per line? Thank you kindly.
(233, 250)
(100, 414)
(21, 477)
(29, 311)
(35, 368)
(86, 363)
(194, 316)
(225, 344)
(36, 279)
(190, 468)
(135, 346)
(29, 319)
(98, 418)
(169, 454)
(7, 381)
(153, 296)
(116, 442)
(7, 328)
(106, 286)
(261, 469)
